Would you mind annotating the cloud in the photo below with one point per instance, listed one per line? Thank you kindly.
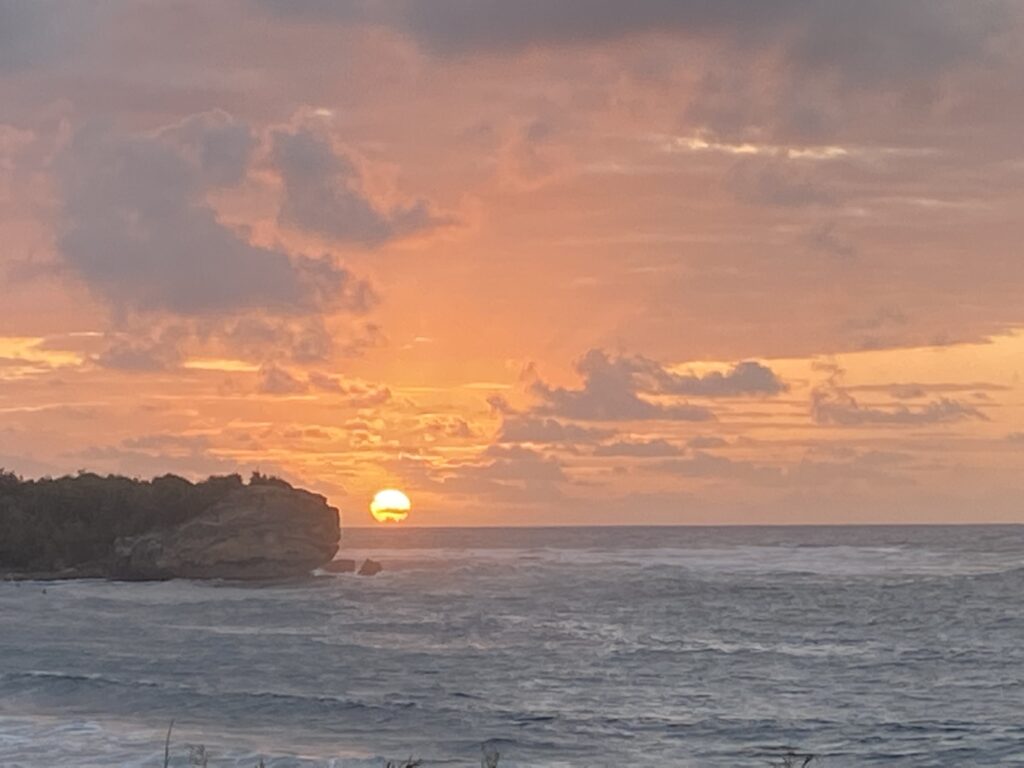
(159, 350)
(706, 441)
(274, 380)
(870, 467)
(358, 394)
(746, 378)
(151, 456)
(528, 429)
(613, 385)
(138, 230)
(867, 469)
(187, 444)
(445, 426)
(834, 405)
(502, 474)
(916, 391)
(303, 340)
(639, 448)
(325, 382)
(323, 193)
(868, 42)
(708, 465)
(610, 393)
(509, 473)
(41, 32)
(218, 145)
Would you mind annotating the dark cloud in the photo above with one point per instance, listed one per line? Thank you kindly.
(218, 145)
(746, 378)
(35, 33)
(639, 448)
(610, 393)
(867, 42)
(874, 41)
(320, 10)
(323, 193)
(613, 385)
(138, 230)
(160, 350)
(302, 340)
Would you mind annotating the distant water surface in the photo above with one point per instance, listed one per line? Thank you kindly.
(562, 647)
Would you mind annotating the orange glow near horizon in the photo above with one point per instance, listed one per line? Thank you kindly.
(653, 271)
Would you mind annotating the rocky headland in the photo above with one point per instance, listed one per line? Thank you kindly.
(89, 526)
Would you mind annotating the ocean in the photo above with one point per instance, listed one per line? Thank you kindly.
(884, 646)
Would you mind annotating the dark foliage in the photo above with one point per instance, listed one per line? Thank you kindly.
(51, 524)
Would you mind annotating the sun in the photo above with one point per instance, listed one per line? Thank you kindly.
(390, 506)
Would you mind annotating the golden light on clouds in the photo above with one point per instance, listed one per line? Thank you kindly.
(723, 289)
(390, 506)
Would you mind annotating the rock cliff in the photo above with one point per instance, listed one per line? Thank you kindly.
(256, 532)
(88, 526)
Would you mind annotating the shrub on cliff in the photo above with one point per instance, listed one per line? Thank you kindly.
(54, 523)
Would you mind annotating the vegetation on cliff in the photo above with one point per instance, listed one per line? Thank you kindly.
(52, 524)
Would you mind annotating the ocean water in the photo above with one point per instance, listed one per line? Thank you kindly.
(557, 647)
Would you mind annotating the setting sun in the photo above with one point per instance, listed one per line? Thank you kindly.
(390, 506)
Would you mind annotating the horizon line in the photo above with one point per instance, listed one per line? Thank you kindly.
(393, 526)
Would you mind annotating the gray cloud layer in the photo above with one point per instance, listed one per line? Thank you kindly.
(868, 40)
(610, 393)
(137, 229)
(612, 389)
(322, 194)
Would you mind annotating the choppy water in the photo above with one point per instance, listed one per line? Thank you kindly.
(566, 647)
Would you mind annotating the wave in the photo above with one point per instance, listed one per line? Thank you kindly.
(837, 560)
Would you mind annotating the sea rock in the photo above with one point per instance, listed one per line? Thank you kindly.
(370, 568)
(255, 532)
(340, 566)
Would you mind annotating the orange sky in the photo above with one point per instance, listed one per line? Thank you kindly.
(665, 261)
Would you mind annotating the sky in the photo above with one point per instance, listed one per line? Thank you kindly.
(533, 263)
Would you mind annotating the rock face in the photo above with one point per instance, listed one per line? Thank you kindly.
(256, 532)
(341, 566)
(370, 568)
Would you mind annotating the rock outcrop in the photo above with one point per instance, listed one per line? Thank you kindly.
(340, 566)
(255, 532)
(370, 568)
